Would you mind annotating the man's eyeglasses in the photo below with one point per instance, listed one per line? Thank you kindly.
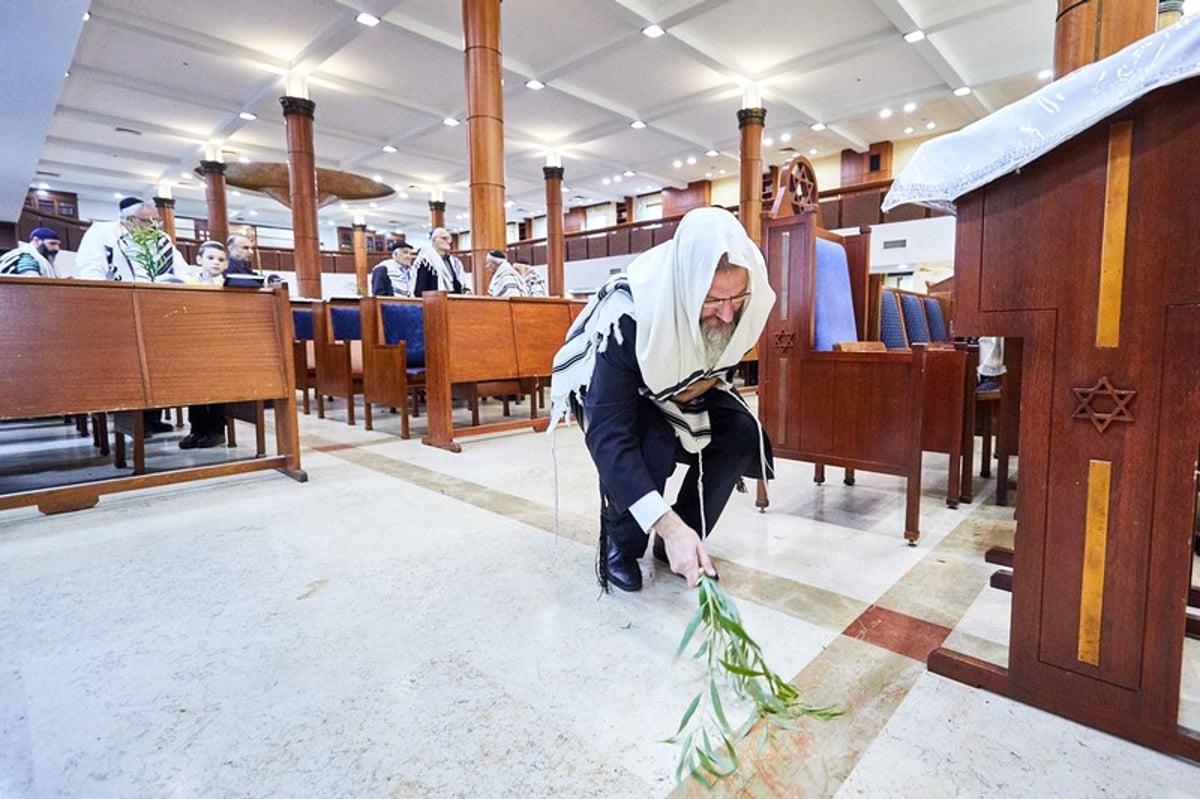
(736, 301)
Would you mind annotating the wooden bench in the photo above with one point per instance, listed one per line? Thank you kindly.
(480, 340)
(74, 346)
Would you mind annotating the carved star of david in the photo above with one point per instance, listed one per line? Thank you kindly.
(1102, 404)
(783, 340)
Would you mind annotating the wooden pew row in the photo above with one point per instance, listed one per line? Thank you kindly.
(76, 347)
(473, 339)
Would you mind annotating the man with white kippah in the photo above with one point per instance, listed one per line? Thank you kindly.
(133, 248)
(34, 258)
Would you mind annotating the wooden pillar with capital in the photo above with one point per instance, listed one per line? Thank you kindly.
(437, 213)
(360, 257)
(555, 243)
(485, 127)
(1089, 30)
(750, 123)
(214, 198)
(166, 215)
(302, 180)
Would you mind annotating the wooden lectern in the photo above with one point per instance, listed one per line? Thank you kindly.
(1091, 254)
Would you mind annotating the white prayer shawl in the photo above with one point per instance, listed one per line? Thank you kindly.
(663, 292)
(107, 252)
(507, 282)
(430, 258)
(10, 260)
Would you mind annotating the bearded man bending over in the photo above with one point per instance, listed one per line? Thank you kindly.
(647, 367)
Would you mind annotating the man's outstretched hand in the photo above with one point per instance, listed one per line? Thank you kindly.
(684, 549)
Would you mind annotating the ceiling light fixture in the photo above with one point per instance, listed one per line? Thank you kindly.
(812, 151)
(246, 115)
(885, 113)
(677, 163)
(908, 131)
(930, 125)
(370, 20)
(962, 91)
(653, 31)
(535, 84)
(817, 127)
(87, 15)
(912, 37)
(711, 153)
(451, 122)
(785, 137)
(617, 178)
(909, 107)
(720, 171)
(377, 178)
(628, 173)
(637, 124)
(606, 181)
(387, 148)
(691, 159)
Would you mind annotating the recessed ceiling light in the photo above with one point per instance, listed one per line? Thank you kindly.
(253, 212)
(785, 137)
(1046, 74)
(884, 113)
(377, 178)
(909, 107)
(711, 153)
(720, 171)
(677, 163)
(912, 37)
(87, 15)
(374, 205)
(637, 124)
(653, 31)
(930, 125)
(451, 122)
(962, 91)
(812, 151)
(185, 175)
(118, 195)
(345, 207)
(817, 126)
(768, 141)
(606, 181)
(535, 84)
(908, 131)
(246, 115)
(67, 74)
(370, 20)
(509, 203)
(628, 173)
(691, 159)
(403, 195)
(617, 178)
(708, 174)
(387, 148)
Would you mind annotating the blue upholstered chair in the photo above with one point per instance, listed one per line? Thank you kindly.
(891, 323)
(912, 308)
(833, 302)
(394, 356)
(339, 356)
(937, 322)
(303, 355)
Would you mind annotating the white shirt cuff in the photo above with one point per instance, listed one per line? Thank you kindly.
(649, 509)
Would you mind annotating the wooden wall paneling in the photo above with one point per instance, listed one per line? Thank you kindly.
(597, 246)
(539, 253)
(574, 220)
(576, 249)
(862, 208)
(676, 202)
(618, 241)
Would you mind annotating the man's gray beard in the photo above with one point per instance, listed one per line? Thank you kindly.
(715, 341)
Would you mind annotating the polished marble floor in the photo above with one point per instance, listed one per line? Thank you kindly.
(416, 623)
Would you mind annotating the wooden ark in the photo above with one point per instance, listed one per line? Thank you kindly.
(1091, 255)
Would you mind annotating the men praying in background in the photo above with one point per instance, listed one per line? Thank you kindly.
(394, 277)
(241, 255)
(436, 269)
(133, 248)
(34, 258)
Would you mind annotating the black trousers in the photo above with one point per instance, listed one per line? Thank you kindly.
(207, 419)
(733, 452)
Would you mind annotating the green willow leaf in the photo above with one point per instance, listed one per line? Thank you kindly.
(687, 716)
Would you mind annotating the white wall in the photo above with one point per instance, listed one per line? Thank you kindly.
(903, 246)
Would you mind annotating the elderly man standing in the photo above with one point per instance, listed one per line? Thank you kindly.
(437, 269)
(34, 258)
(647, 367)
(133, 248)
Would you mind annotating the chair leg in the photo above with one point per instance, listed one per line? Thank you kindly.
(139, 443)
(118, 448)
(368, 420)
(230, 425)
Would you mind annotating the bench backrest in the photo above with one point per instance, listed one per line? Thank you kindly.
(833, 302)
(405, 323)
(916, 327)
(345, 323)
(891, 323)
(937, 321)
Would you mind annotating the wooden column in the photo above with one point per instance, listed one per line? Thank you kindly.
(437, 213)
(302, 179)
(1089, 30)
(555, 243)
(360, 257)
(166, 215)
(750, 123)
(485, 127)
(214, 197)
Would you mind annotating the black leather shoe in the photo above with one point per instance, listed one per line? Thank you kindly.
(159, 427)
(623, 571)
(210, 440)
(189, 441)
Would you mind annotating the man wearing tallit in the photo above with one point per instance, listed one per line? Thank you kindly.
(647, 368)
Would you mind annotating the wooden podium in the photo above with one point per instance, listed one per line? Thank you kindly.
(1091, 254)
